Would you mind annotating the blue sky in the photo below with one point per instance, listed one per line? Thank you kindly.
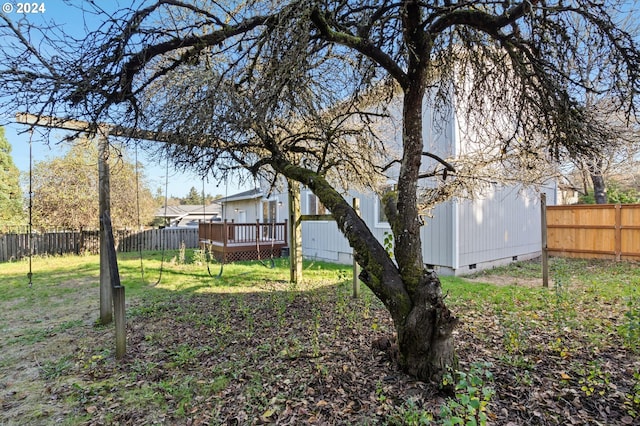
(74, 23)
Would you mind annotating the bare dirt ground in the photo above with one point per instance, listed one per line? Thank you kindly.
(504, 280)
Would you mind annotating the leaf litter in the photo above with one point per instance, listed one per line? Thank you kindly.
(315, 357)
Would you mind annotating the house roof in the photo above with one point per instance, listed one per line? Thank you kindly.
(188, 210)
(251, 194)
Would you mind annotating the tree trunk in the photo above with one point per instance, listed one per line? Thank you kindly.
(412, 295)
(599, 187)
(425, 340)
(423, 323)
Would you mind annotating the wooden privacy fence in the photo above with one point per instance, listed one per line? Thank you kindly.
(14, 246)
(606, 231)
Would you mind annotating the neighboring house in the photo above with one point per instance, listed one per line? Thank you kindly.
(189, 214)
(567, 195)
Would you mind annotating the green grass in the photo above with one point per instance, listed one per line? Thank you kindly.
(610, 281)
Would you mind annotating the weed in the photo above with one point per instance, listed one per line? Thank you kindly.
(629, 330)
(523, 377)
(199, 257)
(564, 307)
(515, 335)
(593, 379)
(140, 369)
(380, 393)
(293, 349)
(185, 355)
(561, 347)
(517, 361)
(472, 396)
(181, 391)
(409, 414)
(181, 256)
(54, 369)
(218, 384)
(632, 399)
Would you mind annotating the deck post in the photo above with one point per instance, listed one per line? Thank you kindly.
(285, 231)
(295, 231)
(225, 238)
(543, 229)
(356, 266)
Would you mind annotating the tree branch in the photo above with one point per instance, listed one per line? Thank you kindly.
(138, 61)
(361, 45)
(440, 160)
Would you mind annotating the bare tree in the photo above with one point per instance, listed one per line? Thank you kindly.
(281, 88)
(617, 159)
(65, 187)
(614, 132)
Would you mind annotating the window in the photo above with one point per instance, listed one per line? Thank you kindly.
(270, 216)
(269, 211)
(314, 206)
(381, 217)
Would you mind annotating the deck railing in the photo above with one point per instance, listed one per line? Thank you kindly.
(231, 242)
(228, 233)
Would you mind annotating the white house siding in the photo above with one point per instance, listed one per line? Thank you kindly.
(439, 134)
(243, 211)
(495, 229)
(438, 248)
(323, 241)
(482, 233)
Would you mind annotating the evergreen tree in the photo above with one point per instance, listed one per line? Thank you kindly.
(11, 209)
(193, 197)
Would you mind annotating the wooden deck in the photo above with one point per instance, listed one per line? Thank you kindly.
(231, 242)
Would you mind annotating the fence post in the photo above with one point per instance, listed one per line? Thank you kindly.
(543, 228)
(618, 232)
(356, 266)
(120, 321)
